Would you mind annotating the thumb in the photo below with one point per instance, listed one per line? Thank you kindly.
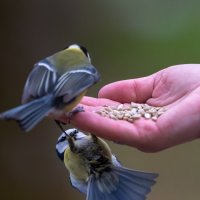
(136, 90)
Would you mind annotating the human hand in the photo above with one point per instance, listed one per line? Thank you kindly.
(177, 88)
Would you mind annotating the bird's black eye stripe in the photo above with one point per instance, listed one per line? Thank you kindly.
(74, 133)
(85, 51)
(62, 139)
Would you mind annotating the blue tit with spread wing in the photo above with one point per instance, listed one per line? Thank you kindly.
(96, 172)
(54, 87)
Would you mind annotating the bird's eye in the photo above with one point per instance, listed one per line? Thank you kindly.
(85, 51)
(74, 133)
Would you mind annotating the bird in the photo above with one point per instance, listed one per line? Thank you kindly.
(54, 87)
(96, 172)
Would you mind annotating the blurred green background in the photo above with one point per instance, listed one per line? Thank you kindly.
(126, 39)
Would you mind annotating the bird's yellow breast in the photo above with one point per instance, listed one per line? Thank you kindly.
(76, 165)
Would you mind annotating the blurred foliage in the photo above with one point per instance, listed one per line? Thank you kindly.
(126, 39)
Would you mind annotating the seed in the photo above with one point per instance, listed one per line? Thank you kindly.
(134, 105)
(115, 112)
(146, 107)
(127, 115)
(120, 107)
(134, 110)
(127, 107)
(139, 106)
(154, 118)
(103, 114)
(125, 118)
(112, 116)
(113, 107)
(141, 111)
(136, 116)
(120, 116)
(151, 110)
(131, 112)
(147, 115)
(108, 109)
(130, 120)
(158, 108)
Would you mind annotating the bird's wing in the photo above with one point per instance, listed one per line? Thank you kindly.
(120, 183)
(73, 83)
(40, 81)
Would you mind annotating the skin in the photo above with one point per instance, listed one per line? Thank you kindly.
(177, 88)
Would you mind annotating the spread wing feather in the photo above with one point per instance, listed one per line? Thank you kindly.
(121, 183)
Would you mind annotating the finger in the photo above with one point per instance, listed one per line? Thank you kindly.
(90, 101)
(136, 90)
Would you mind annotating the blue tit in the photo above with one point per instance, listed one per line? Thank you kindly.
(96, 172)
(54, 87)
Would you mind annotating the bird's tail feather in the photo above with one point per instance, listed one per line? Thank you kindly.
(29, 114)
(121, 183)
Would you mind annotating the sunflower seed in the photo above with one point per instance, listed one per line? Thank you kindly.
(131, 112)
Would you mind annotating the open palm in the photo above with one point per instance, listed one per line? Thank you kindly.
(177, 88)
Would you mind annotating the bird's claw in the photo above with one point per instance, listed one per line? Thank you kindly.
(73, 112)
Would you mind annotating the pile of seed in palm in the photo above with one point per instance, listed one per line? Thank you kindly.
(131, 112)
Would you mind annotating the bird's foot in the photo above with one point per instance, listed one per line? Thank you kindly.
(73, 112)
